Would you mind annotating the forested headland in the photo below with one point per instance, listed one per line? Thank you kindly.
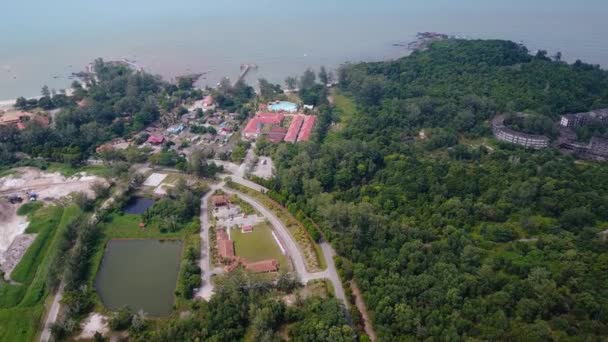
(448, 233)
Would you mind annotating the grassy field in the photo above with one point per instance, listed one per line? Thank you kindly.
(345, 110)
(68, 170)
(313, 255)
(22, 306)
(258, 245)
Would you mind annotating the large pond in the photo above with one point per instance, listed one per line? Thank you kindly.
(138, 205)
(141, 274)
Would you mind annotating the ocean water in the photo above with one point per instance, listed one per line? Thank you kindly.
(42, 42)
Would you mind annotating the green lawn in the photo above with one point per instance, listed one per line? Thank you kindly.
(22, 306)
(258, 245)
(67, 170)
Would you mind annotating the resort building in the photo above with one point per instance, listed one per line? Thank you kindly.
(20, 118)
(271, 125)
(309, 123)
(503, 133)
(257, 124)
(581, 119)
(294, 128)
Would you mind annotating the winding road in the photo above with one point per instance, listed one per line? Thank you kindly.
(291, 246)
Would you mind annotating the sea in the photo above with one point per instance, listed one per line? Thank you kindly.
(43, 42)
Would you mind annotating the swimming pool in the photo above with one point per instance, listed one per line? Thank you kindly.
(283, 106)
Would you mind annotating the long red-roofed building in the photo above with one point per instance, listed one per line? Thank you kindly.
(294, 128)
(263, 266)
(309, 123)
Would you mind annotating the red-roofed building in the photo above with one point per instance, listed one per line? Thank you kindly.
(309, 123)
(208, 101)
(225, 249)
(247, 229)
(156, 139)
(222, 235)
(255, 126)
(294, 128)
(220, 200)
(263, 266)
(277, 134)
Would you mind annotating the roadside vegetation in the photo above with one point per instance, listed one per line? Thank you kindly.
(313, 255)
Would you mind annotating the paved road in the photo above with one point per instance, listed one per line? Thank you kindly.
(206, 290)
(51, 318)
(294, 253)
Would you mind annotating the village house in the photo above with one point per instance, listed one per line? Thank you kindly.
(220, 200)
(156, 139)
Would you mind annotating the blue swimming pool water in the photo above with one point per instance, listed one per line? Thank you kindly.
(283, 106)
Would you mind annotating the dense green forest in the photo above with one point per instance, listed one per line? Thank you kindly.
(448, 237)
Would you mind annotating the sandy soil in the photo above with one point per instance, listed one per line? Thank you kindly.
(11, 225)
(48, 186)
(95, 322)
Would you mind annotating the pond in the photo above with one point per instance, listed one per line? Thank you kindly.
(138, 205)
(141, 274)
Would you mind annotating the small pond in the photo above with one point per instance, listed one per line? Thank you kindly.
(141, 274)
(138, 205)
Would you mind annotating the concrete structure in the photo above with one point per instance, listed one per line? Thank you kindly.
(581, 119)
(503, 133)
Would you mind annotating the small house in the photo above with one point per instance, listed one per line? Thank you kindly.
(156, 139)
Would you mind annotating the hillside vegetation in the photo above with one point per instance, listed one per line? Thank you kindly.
(449, 239)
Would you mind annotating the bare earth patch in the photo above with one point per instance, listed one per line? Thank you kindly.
(11, 257)
(48, 186)
(94, 323)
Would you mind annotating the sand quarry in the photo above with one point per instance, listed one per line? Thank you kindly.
(48, 187)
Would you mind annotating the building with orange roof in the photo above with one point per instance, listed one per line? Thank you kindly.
(264, 266)
(294, 128)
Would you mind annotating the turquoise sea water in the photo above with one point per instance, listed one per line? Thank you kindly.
(42, 42)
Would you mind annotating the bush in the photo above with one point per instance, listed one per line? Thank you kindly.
(122, 319)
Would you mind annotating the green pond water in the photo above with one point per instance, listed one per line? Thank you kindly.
(141, 274)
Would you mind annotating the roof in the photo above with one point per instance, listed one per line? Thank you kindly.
(208, 101)
(225, 248)
(222, 235)
(309, 123)
(219, 200)
(12, 117)
(248, 228)
(256, 123)
(270, 265)
(294, 128)
(156, 139)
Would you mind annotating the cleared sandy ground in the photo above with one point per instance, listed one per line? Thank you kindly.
(48, 186)
(94, 323)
